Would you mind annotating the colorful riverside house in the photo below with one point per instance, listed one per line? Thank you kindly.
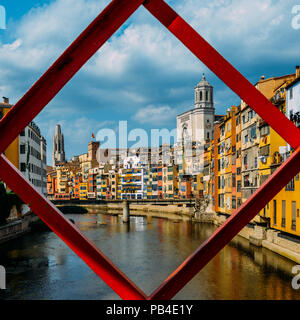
(203, 186)
(83, 191)
(284, 208)
(249, 151)
(145, 181)
(103, 189)
(77, 179)
(272, 147)
(132, 179)
(214, 165)
(92, 183)
(154, 183)
(238, 128)
(62, 179)
(113, 180)
(51, 182)
(149, 185)
(171, 184)
(230, 161)
(221, 170)
(160, 193)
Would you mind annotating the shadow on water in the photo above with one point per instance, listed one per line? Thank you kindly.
(41, 266)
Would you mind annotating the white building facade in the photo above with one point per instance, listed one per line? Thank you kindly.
(196, 125)
(194, 129)
(33, 156)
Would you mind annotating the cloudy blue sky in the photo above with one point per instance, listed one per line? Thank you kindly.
(143, 74)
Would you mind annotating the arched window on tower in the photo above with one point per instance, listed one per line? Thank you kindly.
(206, 95)
(200, 95)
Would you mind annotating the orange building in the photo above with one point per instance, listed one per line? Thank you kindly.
(77, 180)
(51, 182)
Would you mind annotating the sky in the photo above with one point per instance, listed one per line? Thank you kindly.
(143, 74)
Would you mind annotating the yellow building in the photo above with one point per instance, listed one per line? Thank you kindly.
(221, 169)
(12, 152)
(83, 191)
(270, 142)
(238, 156)
(283, 210)
(171, 183)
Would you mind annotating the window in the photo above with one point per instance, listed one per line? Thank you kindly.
(293, 215)
(246, 139)
(233, 180)
(23, 167)
(290, 186)
(233, 202)
(22, 148)
(22, 134)
(246, 181)
(253, 133)
(206, 95)
(250, 114)
(200, 95)
(245, 160)
(239, 202)
(265, 151)
(233, 158)
(274, 212)
(291, 93)
(283, 214)
(264, 131)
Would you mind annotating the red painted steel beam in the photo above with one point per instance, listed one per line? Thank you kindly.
(235, 223)
(65, 67)
(224, 70)
(69, 233)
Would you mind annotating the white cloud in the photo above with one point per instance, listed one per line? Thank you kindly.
(155, 115)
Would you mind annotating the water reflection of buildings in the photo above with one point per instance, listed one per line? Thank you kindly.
(260, 263)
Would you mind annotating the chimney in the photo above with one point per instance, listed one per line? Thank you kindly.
(5, 100)
(297, 72)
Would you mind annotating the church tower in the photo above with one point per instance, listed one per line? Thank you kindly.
(204, 104)
(204, 94)
(58, 153)
(196, 125)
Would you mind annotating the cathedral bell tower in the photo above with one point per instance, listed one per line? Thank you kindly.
(204, 94)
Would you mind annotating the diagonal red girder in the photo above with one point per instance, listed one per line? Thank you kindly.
(69, 233)
(113, 16)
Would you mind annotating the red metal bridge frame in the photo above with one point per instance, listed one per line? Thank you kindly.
(66, 66)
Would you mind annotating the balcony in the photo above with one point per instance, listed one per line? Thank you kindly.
(261, 123)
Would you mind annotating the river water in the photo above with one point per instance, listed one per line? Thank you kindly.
(41, 266)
